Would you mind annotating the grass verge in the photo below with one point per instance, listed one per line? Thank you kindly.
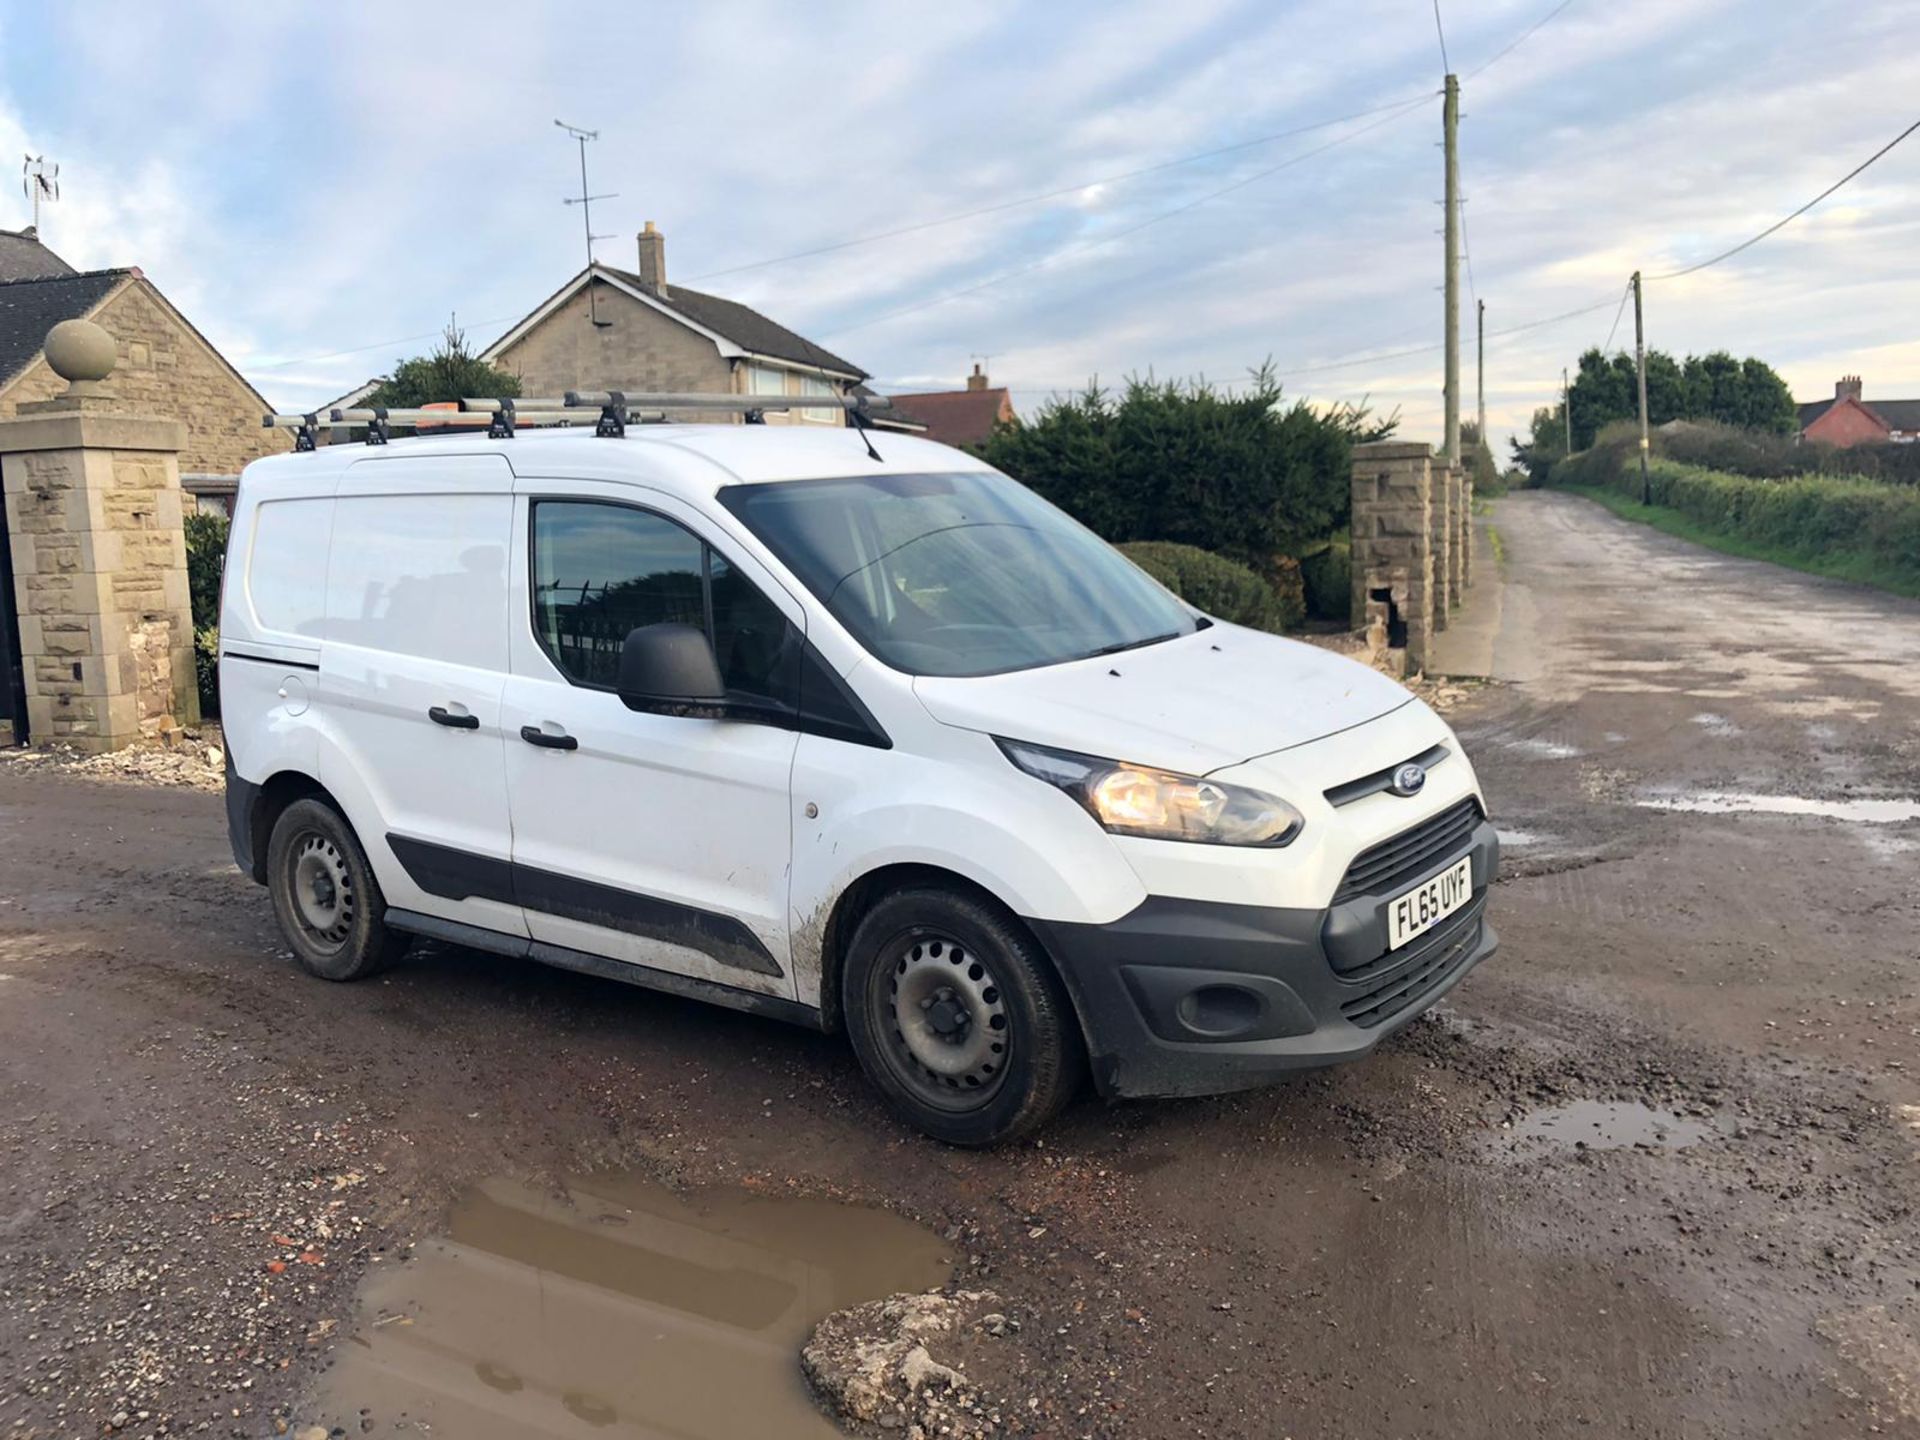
(1859, 569)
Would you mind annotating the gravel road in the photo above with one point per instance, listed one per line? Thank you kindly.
(1653, 1170)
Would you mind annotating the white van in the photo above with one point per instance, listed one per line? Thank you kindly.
(889, 746)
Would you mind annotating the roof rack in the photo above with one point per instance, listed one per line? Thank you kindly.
(608, 411)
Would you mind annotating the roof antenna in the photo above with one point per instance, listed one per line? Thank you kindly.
(858, 415)
(585, 201)
(39, 181)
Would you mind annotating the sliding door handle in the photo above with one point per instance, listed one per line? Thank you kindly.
(442, 716)
(534, 735)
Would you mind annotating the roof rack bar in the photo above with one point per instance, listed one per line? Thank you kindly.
(599, 399)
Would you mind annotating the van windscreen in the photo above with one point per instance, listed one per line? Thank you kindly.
(957, 574)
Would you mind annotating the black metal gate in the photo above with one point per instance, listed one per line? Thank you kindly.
(13, 674)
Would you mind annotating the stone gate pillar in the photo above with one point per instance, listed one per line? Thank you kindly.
(93, 512)
(1463, 534)
(1393, 544)
(1445, 487)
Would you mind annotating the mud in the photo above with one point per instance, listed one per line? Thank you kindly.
(204, 1155)
(609, 1305)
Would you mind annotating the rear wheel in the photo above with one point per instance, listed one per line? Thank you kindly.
(324, 894)
(957, 1017)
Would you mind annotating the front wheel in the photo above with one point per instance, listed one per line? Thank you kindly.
(324, 894)
(958, 1019)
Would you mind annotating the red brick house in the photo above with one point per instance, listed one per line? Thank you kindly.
(1847, 419)
(958, 417)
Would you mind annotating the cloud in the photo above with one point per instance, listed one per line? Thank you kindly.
(316, 180)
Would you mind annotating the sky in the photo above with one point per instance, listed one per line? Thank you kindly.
(320, 187)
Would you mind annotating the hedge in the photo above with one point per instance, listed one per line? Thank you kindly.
(206, 556)
(1224, 587)
(1327, 574)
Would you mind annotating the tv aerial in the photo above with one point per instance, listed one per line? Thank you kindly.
(39, 180)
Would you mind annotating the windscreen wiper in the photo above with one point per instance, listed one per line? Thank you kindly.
(1119, 645)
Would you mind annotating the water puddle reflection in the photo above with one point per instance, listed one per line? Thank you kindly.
(1869, 811)
(1607, 1125)
(616, 1308)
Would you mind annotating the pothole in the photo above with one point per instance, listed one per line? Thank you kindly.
(1607, 1125)
(616, 1307)
(1876, 810)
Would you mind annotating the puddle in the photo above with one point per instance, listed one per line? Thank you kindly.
(1878, 811)
(1524, 839)
(1546, 749)
(616, 1308)
(1608, 1125)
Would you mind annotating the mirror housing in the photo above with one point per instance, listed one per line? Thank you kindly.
(670, 669)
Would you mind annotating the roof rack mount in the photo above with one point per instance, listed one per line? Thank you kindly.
(607, 410)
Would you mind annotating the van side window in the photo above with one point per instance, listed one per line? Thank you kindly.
(602, 570)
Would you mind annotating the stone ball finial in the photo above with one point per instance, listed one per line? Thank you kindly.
(80, 352)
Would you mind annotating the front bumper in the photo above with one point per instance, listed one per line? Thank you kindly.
(1190, 997)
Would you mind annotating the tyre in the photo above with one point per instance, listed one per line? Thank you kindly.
(958, 1019)
(324, 894)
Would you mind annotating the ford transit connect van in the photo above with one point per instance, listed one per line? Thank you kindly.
(885, 746)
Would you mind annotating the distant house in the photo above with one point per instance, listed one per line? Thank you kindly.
(1847, 419)
(614, 329)
(958, 417)
(166, 367)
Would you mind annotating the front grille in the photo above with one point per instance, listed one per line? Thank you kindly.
(1392, 863)
(1407, 980)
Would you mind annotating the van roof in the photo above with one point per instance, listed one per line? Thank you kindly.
(697, 458)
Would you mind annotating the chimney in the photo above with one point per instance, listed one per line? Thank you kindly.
(1848, 388)
(978, 379)
(653, 260)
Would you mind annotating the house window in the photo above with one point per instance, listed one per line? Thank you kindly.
(765, 380)
(814, 385)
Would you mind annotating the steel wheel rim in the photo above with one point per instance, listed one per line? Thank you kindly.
(320, 887)
(946, 1028)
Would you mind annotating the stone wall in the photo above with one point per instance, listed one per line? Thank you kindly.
(1446, 483)
(93, 520)
(1393, 545)
(166, 368)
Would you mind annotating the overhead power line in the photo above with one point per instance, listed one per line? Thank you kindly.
(1625, 293)
(1525, 36)
(999, 207)
(1446, 65)
(1093, 242)
(1789, 219)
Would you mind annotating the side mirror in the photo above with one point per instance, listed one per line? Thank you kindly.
(670, 669)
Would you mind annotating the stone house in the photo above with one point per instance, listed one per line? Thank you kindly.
(1847, 419)
(959, 417)
(166, 367)
(629, 330)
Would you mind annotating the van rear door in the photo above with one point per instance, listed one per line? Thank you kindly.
(412, 666)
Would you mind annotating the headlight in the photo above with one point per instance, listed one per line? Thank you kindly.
(1159, 805)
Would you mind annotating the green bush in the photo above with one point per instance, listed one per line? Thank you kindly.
(1244, 475)
(1327, 574)
(206, 557)
(1223, 587)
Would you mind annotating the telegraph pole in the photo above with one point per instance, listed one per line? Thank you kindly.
(1640, 364)
(1480, 371)
(1450, 133)
(1566, 406)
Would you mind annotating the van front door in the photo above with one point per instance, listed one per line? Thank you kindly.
(658, 840)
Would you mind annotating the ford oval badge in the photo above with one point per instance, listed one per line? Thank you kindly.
(1408, 779)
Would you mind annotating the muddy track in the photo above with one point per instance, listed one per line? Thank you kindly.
(1460, 1236)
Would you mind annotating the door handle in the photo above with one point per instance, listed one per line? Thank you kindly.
(534, 735)
(442, 716)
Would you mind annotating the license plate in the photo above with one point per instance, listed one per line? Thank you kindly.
(1421, 908)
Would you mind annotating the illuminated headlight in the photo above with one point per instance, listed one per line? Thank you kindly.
(1159, 805)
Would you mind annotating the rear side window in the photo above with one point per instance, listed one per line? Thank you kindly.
(287, 565)
(601, 571)
(422, 575)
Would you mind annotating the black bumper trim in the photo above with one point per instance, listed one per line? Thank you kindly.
(1142, 986)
